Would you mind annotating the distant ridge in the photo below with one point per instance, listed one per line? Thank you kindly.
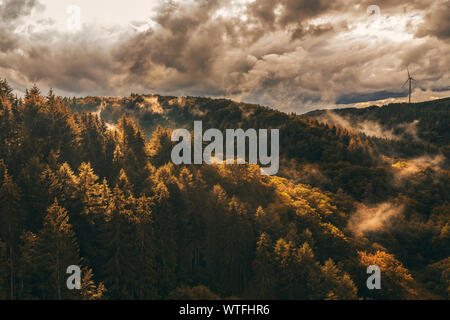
(432, 117)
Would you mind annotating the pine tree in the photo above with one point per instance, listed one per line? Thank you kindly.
(94, 198)
(6, 90)
(10, 136)
(285, 255)
(337, 283)
(264, 269)
(63, 184)
(396, 279)
(134, 154)
(165, 239)
(31, 276)
(4, 289)
(146, 251)
(89, 289)
(58, 244)
(160, 146)
(117, 246)
(299, 271)
(11, 215)
(35, 198)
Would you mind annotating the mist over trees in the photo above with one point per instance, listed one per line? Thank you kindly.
(89, 182)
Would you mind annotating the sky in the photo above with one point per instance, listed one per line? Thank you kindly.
(292, 55)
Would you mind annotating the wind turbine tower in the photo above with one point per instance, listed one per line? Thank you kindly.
(410, 80)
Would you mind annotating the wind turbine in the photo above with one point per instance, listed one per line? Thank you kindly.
(410, 80)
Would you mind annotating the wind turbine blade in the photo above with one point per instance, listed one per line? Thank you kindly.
(405, 83)
(409, 76)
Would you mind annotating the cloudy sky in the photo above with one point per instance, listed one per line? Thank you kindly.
(293, 55)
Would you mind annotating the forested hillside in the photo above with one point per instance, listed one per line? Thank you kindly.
(89, 182)
(424, 121)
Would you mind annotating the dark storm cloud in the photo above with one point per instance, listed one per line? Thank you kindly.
(300, 32)
(292, 55)
(10, 12)
(215, 55)
(78, 64)
(355, 98)
(437, 22)
(290, 11)
(297, 10)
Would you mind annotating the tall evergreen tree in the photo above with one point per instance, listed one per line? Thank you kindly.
(11, 215)
(58, 244)
(117, 243)
(264, 269)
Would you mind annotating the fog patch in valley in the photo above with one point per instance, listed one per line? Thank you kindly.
(371, 128)
(373, 218)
